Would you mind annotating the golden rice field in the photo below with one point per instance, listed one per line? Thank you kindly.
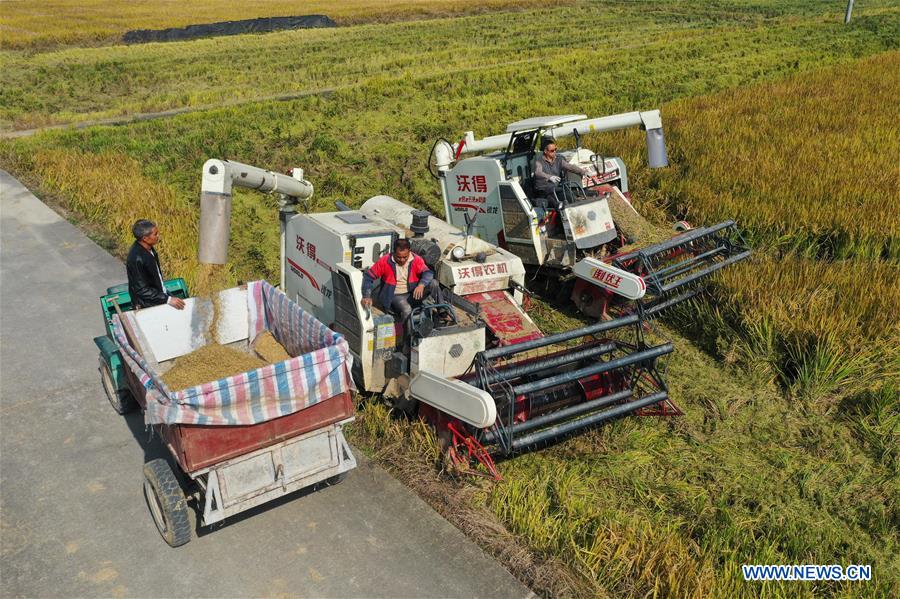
(811, 117)
(795, 163)
(776, 115)
(31, 24)
(648, 52)
(80, 84)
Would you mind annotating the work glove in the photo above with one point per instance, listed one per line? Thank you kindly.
(555, 180)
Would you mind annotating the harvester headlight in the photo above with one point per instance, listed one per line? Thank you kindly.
(458, 252)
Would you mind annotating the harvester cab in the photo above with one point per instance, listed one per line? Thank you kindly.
(488, 379)
(591, 239)
(327, 256)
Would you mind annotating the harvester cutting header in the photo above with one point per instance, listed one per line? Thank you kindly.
(584, 232)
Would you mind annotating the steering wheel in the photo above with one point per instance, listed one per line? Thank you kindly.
(568, 192)
(421, 321)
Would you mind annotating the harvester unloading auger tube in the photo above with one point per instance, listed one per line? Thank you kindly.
(487, 379)
(591, 239)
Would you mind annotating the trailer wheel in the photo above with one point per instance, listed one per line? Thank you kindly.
(336, 479)
(121, 401)
(167, 503)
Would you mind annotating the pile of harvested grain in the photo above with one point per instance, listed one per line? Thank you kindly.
(207, 364)
(267, 347)
(638, 231)
(213, 362)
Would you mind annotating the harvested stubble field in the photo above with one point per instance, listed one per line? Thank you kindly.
(27, 24)
(788, 373)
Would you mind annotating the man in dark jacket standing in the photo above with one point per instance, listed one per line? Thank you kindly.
(145, 279)
(406, 279)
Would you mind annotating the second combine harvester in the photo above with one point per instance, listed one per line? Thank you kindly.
(593, 245)
(488, 380)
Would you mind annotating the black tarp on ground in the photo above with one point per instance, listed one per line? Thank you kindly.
(261, 25)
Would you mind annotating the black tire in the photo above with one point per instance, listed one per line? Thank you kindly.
(336, 479)
(122, 401)
(167, 503)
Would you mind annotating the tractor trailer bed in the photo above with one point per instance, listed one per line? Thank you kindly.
(248, 438)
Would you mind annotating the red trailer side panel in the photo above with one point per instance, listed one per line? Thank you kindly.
(197, 447)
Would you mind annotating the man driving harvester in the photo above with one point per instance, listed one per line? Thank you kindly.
(406, 281)
(548, 173)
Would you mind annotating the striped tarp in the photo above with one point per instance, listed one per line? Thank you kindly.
(320, 370)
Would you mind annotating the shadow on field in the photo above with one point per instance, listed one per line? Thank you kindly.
(260, 25)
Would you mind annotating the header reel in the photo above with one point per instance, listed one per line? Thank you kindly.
(549, 388)
(673, 270)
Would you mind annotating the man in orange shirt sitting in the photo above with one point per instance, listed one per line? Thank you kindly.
(406, 281)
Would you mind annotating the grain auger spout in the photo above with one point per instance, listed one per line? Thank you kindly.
(219, 177)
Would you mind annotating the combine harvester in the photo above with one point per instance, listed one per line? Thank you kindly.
(488, 380)
(580, 248)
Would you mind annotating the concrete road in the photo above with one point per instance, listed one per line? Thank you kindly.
(74, 521)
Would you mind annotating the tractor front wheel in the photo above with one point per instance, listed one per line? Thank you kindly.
(121, 400)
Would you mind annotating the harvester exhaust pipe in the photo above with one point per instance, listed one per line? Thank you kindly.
(419, 225)
(219, 176)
